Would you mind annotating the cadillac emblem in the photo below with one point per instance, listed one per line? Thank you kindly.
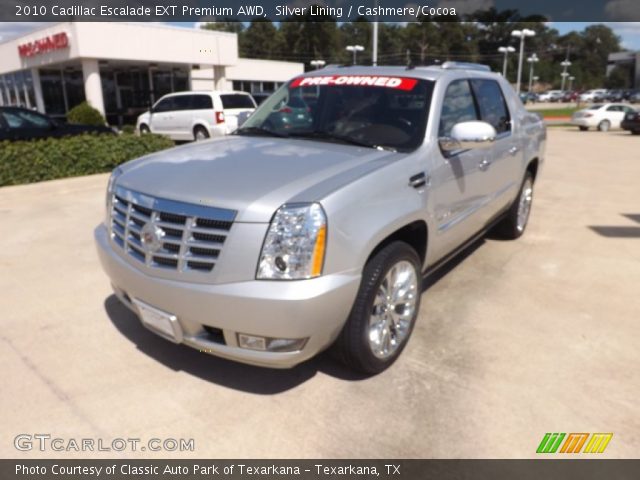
(151, 237)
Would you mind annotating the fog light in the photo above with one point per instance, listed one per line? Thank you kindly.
(252, 342)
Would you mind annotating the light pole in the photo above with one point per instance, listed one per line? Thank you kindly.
(506, 51)
(566, 64)
(521, 34)
(316, 64)
(532, 60)
(571, 79)
(355, 49)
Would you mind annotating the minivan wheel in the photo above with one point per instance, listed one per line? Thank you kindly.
(144, 130)
(517, 218)
(384, 312)
(200, 133)
(604, 125)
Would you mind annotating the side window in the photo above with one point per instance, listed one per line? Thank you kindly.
(21, 119)
(492, 105)
(614, 108)
(181, 102)
(457, 107)
(165, 105)
(201, 102)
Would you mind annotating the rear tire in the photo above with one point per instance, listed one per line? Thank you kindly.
(515, 223)
(384, 312)
(604, 126)
(200, 133)
(583, 129)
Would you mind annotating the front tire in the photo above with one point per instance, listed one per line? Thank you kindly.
(144, 129)
(515, 223)
(384, 312)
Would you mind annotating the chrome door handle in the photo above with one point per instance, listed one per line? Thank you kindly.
(513, 150)
(484, 164)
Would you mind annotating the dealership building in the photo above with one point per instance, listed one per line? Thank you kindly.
(121, 68)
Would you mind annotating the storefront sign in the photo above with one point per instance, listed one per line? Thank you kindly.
(44, 45)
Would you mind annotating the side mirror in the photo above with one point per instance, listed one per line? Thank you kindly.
(469, 135)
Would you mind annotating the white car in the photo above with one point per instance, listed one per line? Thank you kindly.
(601, 116)
(551, 96)
(197, 115)
(591, 96)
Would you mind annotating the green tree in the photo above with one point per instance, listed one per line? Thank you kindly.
(261, 40)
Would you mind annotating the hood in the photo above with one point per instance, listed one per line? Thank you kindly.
(252, 175)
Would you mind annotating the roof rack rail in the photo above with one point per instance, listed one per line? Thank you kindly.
(466, 66)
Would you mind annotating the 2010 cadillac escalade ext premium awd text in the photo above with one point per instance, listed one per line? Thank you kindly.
(313, 225)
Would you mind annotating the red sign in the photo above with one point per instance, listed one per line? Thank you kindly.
(401, 83)
(44, 45)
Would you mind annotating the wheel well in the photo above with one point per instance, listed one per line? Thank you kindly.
(197, 126)
(143, 125)
(533, 168)
(415, 234)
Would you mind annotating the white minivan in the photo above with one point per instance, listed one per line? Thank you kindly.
(196, 115)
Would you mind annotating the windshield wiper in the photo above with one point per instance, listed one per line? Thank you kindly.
(260, 131)
(322, 134)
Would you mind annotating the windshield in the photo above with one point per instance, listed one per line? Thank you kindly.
(372, 111)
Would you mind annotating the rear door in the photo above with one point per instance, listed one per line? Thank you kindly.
(235, 106)
(503, 160)
(615, 114)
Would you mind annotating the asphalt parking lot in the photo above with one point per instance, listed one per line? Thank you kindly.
(514, 340)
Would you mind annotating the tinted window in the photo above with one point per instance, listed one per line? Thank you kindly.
(23, 119)
(457, 106)
(182, 102)
(349, 109)
(164, 105)
(236, 101)
(491, 103)
(615, 108)
(201, 102)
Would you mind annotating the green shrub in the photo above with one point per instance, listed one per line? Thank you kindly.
(85, 114)
(128, 129)
(47, 159)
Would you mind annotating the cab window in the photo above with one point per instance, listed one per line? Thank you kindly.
(457, 106)
(491, 104)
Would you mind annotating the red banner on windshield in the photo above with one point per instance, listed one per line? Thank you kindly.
(400, 83)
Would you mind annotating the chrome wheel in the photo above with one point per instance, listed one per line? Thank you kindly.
(524, 205)
(393, 309)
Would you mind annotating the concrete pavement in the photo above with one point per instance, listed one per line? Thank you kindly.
(514, 340)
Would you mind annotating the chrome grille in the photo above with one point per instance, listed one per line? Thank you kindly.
(188, 237)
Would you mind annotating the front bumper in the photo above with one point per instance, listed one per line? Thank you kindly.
(315, 309)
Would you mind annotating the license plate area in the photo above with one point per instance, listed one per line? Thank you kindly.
(160, 322)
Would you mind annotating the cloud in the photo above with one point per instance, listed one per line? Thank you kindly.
(629, 32)
(622, 9)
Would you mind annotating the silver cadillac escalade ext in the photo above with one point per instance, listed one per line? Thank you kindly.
(313, 225)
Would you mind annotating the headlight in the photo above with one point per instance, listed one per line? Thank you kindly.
(111, 187)
(295, 243)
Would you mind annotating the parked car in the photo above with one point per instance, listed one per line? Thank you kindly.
(570, 96)
(197, 115)
(601, 116)
(23, 124)
(274, 243)
(593, 96)
(634, 97)
(550, 96)
(631, 122)
(527, 97)
(614, 96)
